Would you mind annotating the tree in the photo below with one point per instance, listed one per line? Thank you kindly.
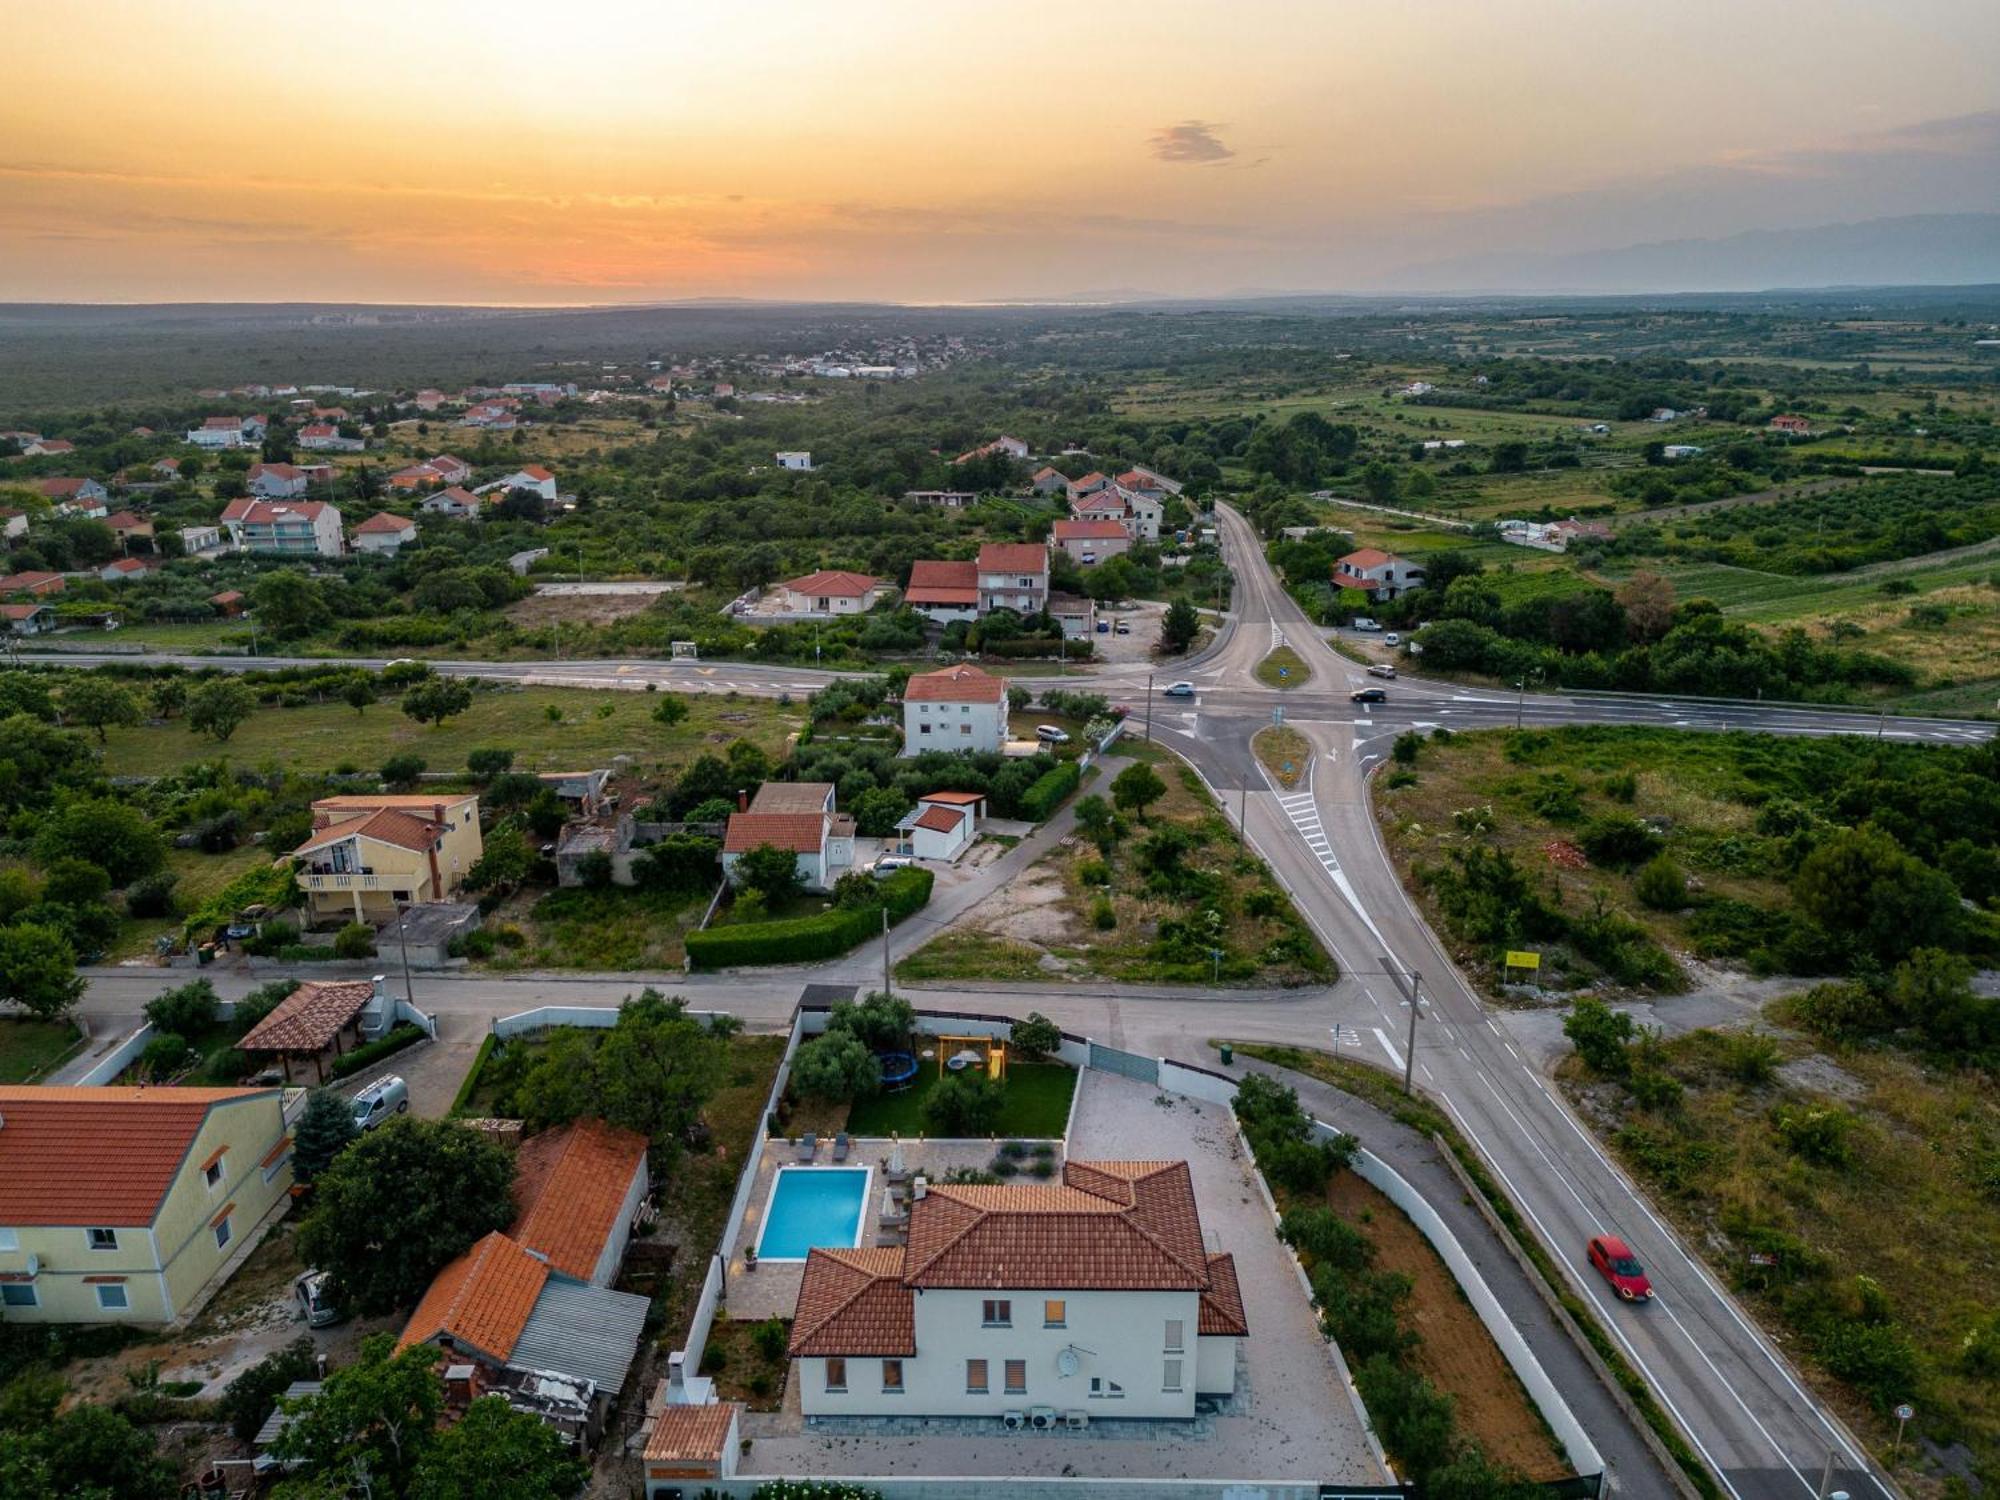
(652, 1072)
(98, 703)
(403, 770)
(1407, 746)
(219, 706)
(399, 1203)
(287, 602)
(1098, 822)
(93, 1453)
(1661, 885)
(1137, 788)
(496, 1453)
(376, 1417)
(355, 940)
(358, 692)
(1179, 626)
(1035, 1036)
(836, 1067)
(326, 1128)
(769, 870)
(75, 882)
(186, 1010)
(1648, 602)
(963, 1104)
(116, 837)
(670, 710)
(488, 763)
(1602, 1036)
(1863, 886)
(436, 700)
(882, 1022)
(252, 1396)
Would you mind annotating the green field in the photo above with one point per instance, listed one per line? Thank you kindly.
(594, 727)
(29, 1049)
(1036, 1104)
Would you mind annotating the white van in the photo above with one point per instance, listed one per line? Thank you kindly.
(1362, 622)
(386, 1096)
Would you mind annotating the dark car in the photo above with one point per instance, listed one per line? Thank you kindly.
(1368, 695)
(1619, 1266)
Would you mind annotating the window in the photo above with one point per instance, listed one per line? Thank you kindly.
(213, 1173)
(1105, 1389)
(923, 729)
(111, 1295)
(18, 1294)
(965, 729)
(1055, 1313)
(1016, 1374)
(975, 1377)
(892, 1377)
(836, 1374)
(222, 1233)
(10, 1239)
(103, 1239)
(1170, 1379)
(996, 1314)
(1173, 1341)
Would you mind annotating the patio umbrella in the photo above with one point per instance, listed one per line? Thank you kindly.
(896, 1158)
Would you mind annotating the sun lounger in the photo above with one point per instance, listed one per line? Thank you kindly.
(840, 1146)
(808, 1144)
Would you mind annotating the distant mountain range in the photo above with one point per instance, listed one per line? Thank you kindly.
(1914, 250)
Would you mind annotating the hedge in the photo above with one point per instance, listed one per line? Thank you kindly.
(1049, 790)
(373, 1052)
(805, 939)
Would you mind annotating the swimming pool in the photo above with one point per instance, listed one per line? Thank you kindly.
(824, 1206)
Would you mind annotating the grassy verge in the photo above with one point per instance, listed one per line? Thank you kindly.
(612, 929)
(1284, 752)
(28, 1049)
(1284, 668)
(967, 955)
(1036, 1104)
(1380, 1090)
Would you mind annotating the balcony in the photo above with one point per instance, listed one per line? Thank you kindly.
(363, 880)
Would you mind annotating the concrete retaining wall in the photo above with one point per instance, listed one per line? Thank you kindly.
(963, 1487)
(119, 1058)
(1196, 1083)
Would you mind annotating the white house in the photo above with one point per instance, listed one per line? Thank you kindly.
(944, 591)
(1013, 447)
(276, 481)
(944, 499)
(455, 501)
(13, 523)
(1033, 1305)
(1092, 541)
(1675, 452)
(1379, 574)
(76, 497)
(960, 708)
(943, 824)
(1144, 514)
(384, 534)
(324, 437)
(831, 591)
(218, 432)
(799, 462)
(123, 570)
(287, 526)
(794, 815)
(202, 541)
(533, 478)
(1013, 575)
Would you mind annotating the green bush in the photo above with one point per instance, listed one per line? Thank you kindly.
(805, 939)
(963, 1105)
(1661, 885)
(1817, 1134)
(370, 1053)
(1619, 840)
(1602, 1036)
(1049, 791)
(1103, 915)
(355, 940)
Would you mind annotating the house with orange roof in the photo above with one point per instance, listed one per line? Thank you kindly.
(368, 854)
(690, 1444)
(133, 1205)
(384, 534)
(276, 481)
(941, 826)
(1013, 447)
(960, 708)
(944, 591)
(1013, 575)
(453, 500)
(1049, 481)
(798, 816)
(293, 527)
(1379, 574)
(831, 591)
(1090, 540)
(126, 524)
(1095, 1296)
(534, 1302)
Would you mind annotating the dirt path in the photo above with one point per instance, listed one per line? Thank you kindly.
(1457, 1353)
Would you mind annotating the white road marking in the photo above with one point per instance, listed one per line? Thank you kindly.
(1388, 1046)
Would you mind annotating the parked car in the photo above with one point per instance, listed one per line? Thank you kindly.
(314, 1290)
(1051, 734)
(1362, 622)
(386, 1096)
(1124, 628)
(1619, 1266)
(1104, 627)
(1392, 639)
(1177, 690)
(1367, 695)
(889, 864)
(1383, 669)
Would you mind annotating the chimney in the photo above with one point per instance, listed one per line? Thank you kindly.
(919, 1189)
(379, 981)
(742, 800)
(676, 1375)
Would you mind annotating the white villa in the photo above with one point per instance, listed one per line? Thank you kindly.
(1038, 1304)
(960, 708)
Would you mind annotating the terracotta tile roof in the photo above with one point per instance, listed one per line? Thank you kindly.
(460, 496)
(943, 583)
(1046, 471)
(1013, 557)
(792, 797)
(1365, 557)
(570, 1186)
(1222, 1312)
(1086, 481)
(391, 825)
(23, 611)
(59, 489)
(353, 802)
(385, 523)
(268, 512)
(1110, 1226)
(834, 581)
(125, 565)
(227, 596)
(1109, 502)
(535, 472)
(691, 1434)
(1089, 531)
(802, 833)
(954, 799)
(308, 1019)
(960, 684)
(940, 819)
(481, 1300)
(98, 1156)
(854, 1302)
(276, 471)
(124, 520)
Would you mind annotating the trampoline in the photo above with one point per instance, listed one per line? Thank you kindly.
(899, 1069)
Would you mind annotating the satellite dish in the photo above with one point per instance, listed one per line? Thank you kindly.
(1067, 1363)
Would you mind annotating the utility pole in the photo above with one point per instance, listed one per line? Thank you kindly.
(1520, 698)
(403, 930)
(1149, 708)
(1412, 987)
(885, 951)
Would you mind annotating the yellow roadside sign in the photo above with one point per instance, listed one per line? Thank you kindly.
(1523, 960)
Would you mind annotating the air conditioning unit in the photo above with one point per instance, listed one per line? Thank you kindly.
(1013, 1421)
(1041, 1418)
(1076, 1421)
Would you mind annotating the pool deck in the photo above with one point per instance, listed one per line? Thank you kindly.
(772, 1289)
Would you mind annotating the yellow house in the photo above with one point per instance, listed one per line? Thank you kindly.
(132, 1205)
(370, 854)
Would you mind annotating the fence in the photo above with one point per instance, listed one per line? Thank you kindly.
(422, 1020)
(1126, 1064)
(118, 1059)
(545, 1016)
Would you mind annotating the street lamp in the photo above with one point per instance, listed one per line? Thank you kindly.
(1520, 698)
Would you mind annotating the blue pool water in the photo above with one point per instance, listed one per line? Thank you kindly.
(813, 1206)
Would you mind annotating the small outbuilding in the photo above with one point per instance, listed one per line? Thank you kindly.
(318, 1022)
(943, 825)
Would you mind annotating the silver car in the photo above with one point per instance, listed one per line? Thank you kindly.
(314, 1291)
(386, 1096)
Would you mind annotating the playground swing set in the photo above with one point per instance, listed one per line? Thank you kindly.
(960, 1054)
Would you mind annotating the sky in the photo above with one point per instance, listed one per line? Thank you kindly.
(950, 150)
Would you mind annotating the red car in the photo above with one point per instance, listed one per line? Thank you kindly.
(1617, 1265)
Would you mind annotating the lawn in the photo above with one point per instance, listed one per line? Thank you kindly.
(28, 1049)
(198, 877)
(619, 928)
(1036, 1104)
(589, 728)
(1284, 668)
(962, 955)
